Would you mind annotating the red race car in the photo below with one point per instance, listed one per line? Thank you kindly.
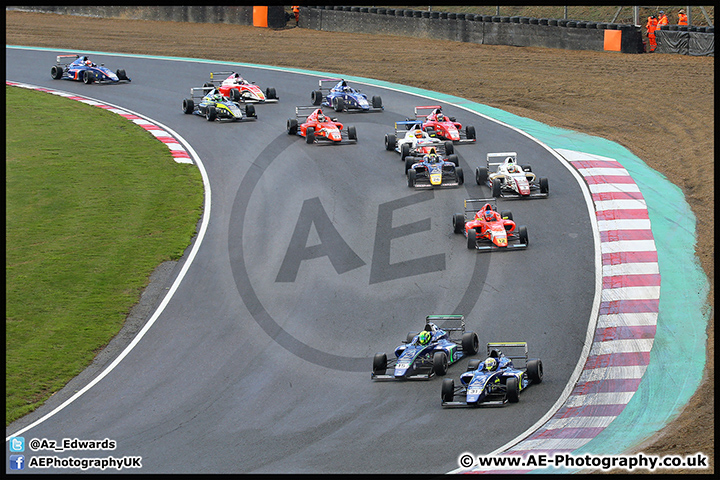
(488, 230)
(316, 126)
(435, 122)
(237, 89)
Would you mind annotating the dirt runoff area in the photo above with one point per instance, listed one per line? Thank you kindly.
(658, 106)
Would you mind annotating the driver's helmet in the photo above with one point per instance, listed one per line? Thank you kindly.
(512, 168)
(424, 337)
(440, 117)
(433, 158)
(490, 364)
(418, 133)
(489, 215)
(426, 158)
(321, 117)
(87, 61)
(217, 97)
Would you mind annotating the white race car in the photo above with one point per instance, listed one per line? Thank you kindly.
(411, 139)
(510, 179)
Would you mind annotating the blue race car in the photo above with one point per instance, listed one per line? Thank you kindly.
(429, 352)
(495, 381)
(83, 70)
(433, 171)
(342, 97)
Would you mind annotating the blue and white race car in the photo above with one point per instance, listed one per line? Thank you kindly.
(428, 352)
(341, 97)
(494, 381)
(82, 69)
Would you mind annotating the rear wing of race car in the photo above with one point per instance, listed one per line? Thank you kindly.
(473, 205)
(199, 92)
(450, 323)
(326, 84)
(500, 156)
(423, 112)
(405, 125)
(512, 350)
(218, 77)
(66, 59)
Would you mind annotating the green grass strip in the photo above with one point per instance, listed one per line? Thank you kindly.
(93, 204)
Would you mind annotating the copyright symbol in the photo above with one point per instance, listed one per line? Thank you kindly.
(466, 460)
(34, 444)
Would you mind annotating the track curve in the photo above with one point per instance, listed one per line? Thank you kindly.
(245, 373)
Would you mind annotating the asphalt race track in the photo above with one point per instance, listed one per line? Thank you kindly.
(261, 361)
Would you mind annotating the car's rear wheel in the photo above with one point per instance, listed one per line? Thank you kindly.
(471, 239)
(292, 126)
(250, 111)
(470, 343)
(513, 391)
(380, 364)
(535, 370)
(390, 141)
(409, 161)
(460, 175)
(404, 151)
(447, 391)
(316, 97)
(481, 175)
(440, 363)
(352, 132)
(470, 132)
(454, 159)
(522, 233)
(544, 185)
(473, 364)
(458, 222)
(377, 102)
(449, 148)
(56, 72)
(121, 74)
(188, 105)
(506, 214)
(270, 93)
(234, 94)
(410, 336)
(310, 135)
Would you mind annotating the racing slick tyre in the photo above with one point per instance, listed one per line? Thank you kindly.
(535, 370)
(440, 363)
(506, 214)
(544, 186)
(410, 337)
(292, 126)
(513, 390)
(411, 176)
(211, 114)
(316, 97)
(496, 187)
(404, 151)
(481, 175)
(470, 343)
(188, 105)
(379, 364)
(310, 135)
(460, 175)
(377, 102)
(526, 168)
(270, 93)
(471, 239)
(473, 364)
(121, 74)
(250, 111)
(522, 233)
(470, 132)
(352, 133)
(458, 223)
(449, 148)
(430, 131)
(88, 77)
(234, 94)
(447, 391)
(208, 85)
(338, 104)
(454, 159)
(56, 72)
(390, 141)
(409, 161)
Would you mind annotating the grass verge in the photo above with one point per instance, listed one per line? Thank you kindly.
(93, 204)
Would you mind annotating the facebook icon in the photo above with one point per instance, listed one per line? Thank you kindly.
(17, 462)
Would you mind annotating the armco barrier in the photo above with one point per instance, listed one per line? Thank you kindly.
(482, 29)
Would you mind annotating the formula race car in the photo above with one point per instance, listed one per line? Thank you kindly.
(75, 67)
(342, 97)
(314, 125)
(210, 103)
(495, 381)
(511, 179)
(409, 138)
(443, 126)
(433, 171)
(488, 230)
(441, 343)
(238, 89)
